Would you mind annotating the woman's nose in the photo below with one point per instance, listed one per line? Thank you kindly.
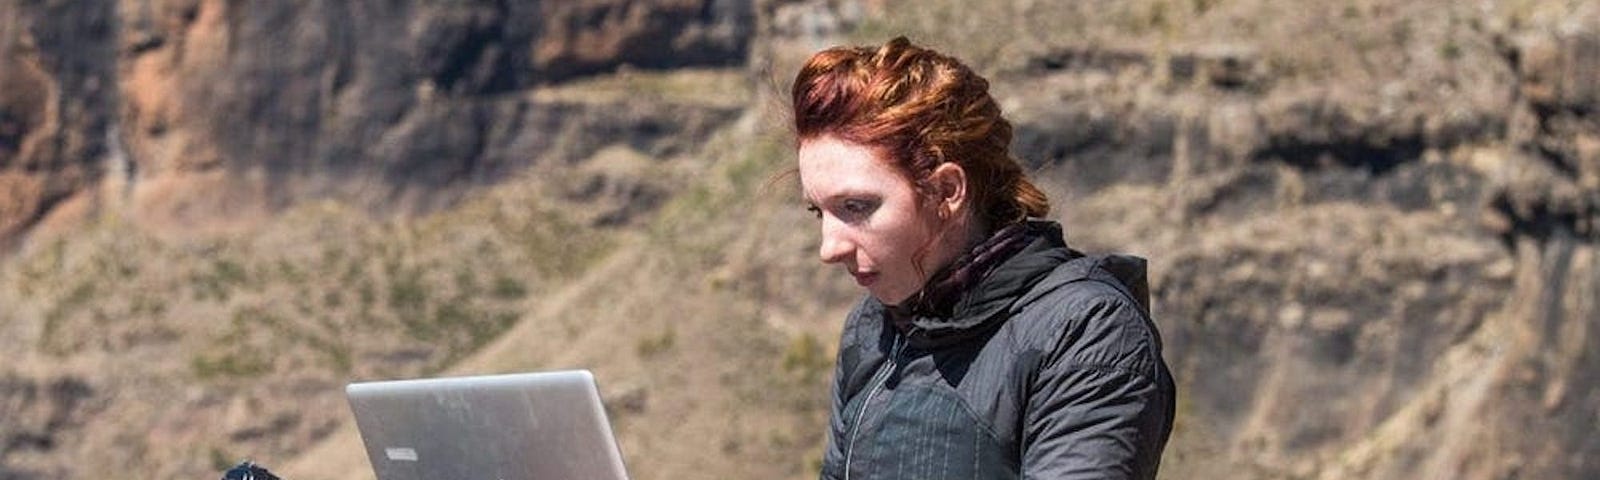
(835, 247)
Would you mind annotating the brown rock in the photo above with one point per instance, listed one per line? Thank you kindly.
(299, 97)
(1558, 70)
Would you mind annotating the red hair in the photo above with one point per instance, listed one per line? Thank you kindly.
(920, 109)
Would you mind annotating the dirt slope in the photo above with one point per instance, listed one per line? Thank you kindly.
(1374, 225)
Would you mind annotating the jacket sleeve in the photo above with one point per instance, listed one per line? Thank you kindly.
(1096, 408)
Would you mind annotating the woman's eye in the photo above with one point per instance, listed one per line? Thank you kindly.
(858, 207)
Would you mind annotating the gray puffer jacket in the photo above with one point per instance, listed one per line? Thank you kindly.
(1048, 368)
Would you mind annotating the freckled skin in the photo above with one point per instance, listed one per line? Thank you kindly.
(873, 222)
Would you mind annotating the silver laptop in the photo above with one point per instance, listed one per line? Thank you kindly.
(533, 426)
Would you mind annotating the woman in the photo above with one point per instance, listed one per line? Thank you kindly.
(985, 348)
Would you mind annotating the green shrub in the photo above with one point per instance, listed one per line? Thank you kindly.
(230, 363)
(406, 291)
(653, 345)
(508, 288)
(805, 358)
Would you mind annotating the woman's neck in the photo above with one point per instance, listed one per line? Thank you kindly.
(963, 272)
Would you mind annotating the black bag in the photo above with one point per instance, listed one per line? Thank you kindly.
(248, 471)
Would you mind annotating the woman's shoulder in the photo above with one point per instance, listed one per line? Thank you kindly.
(864, 321)
(1089, 311)
(1091, 279)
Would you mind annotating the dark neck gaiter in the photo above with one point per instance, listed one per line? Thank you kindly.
(944, 289)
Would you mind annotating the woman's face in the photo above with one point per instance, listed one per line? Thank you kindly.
(873, 222)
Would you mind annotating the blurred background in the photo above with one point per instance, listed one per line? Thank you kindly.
(1373, 224)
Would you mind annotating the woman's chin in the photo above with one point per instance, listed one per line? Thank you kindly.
(893, 299)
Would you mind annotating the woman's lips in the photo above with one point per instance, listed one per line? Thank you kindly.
(864, 279)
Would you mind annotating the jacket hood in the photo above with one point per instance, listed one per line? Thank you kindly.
(1130, 271)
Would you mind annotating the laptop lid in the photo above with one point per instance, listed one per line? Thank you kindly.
(531, 426)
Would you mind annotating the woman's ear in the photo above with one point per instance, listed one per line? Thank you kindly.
(950, 186)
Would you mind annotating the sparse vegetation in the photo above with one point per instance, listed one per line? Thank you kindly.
(696, 86)
(1450, 50)
(230, 364)
(806, 359)
(709, 299)
(508, 288)
(220, 460)
(318, 290)
(655, 345)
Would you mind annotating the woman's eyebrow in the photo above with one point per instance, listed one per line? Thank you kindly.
(825, 199)
(850, 193)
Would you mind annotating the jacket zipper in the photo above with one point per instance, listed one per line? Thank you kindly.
(884, 372)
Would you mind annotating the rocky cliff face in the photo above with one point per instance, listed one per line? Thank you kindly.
(191, 112)
(1374, 226)
(1350, 266)
(55, 109)
(186, 116)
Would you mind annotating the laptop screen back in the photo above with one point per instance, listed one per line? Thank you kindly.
(535, 426)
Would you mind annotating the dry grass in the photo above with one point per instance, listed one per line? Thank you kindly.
(321, 275)
(707, 320)
(281, 315)
(705, 327)
(1357, 43)
(710, 87)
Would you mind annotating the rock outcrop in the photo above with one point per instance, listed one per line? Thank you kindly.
(58, 101)
(1345, 274)
(37, 416)
(1374, 228)
(189, 112)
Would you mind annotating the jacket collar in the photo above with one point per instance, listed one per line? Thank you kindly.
(1002, 268)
